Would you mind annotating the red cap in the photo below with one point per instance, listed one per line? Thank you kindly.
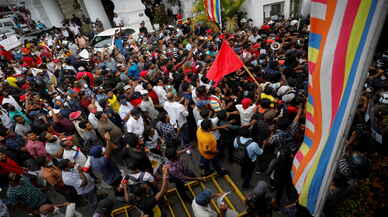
(246, 102)
(74, 115)
(143, 73)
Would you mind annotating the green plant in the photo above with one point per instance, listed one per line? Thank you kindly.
(229, 10)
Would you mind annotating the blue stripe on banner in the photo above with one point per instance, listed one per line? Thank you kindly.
(310, 99)
(315, 40)
(327, 152)
(308, 141)
(218, 11)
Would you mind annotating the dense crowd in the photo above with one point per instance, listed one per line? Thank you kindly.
(71, 124)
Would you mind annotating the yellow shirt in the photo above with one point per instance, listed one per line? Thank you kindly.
(12, 81)
(114, 103)
(269, 97)
(206, 142)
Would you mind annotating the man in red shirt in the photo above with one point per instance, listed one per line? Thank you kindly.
(7, 165)
(6, 54)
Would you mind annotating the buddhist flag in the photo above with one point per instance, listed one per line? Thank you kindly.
(227, 61)
(342, 40)
(213, 10)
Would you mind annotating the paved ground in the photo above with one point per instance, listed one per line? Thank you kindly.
(192, 162)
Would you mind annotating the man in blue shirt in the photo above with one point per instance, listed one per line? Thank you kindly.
(252, 150)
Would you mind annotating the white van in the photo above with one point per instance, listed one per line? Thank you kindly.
(8, 24)
(104, 41)
(11, 41)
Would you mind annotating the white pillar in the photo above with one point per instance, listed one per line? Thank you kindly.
(254, 9)
(187, 8)
(305, 10)
(287, 8)
(132, 12)
(95, 10)
(53, 13)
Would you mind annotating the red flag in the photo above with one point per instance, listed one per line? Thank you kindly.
(227, 61)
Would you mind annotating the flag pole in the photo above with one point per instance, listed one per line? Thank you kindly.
(250, 74)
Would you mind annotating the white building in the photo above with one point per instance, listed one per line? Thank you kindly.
(52, 12)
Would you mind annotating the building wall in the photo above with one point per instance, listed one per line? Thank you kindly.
(256, 8)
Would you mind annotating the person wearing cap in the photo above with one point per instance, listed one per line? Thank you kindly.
(101, 163)
(246, 110)
(104, 208)
(201, 204)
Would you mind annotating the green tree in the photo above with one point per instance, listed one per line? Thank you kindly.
(229, 9)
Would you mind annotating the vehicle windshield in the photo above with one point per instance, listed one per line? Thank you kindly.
(102, 41)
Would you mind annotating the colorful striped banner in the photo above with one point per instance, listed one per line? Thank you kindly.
(342, 40)
(213, 9)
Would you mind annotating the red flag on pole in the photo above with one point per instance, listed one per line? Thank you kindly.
(227, 61)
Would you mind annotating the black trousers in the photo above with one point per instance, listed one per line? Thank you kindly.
(180, 187)
(247, 169)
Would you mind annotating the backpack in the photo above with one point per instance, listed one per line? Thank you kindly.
(136, 182)
(240, 154)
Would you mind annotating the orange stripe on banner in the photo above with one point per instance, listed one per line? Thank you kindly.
(319, 27)
(308, 133)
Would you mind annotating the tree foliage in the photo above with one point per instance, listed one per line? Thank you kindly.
(229, 9)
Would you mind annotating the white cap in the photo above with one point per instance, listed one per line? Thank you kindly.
(283, 90)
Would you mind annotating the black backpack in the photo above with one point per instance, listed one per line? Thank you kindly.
(240, 153)
(136, 182)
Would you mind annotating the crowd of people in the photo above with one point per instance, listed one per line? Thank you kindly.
(70, 124)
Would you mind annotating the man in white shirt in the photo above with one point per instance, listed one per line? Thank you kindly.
(201, 205)
(147, 106)
(161, 92)
(73, 153)
(92, 117)
(246, 111)
(125, 108)
(176, 111)
(82, 182)
(135, 123)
